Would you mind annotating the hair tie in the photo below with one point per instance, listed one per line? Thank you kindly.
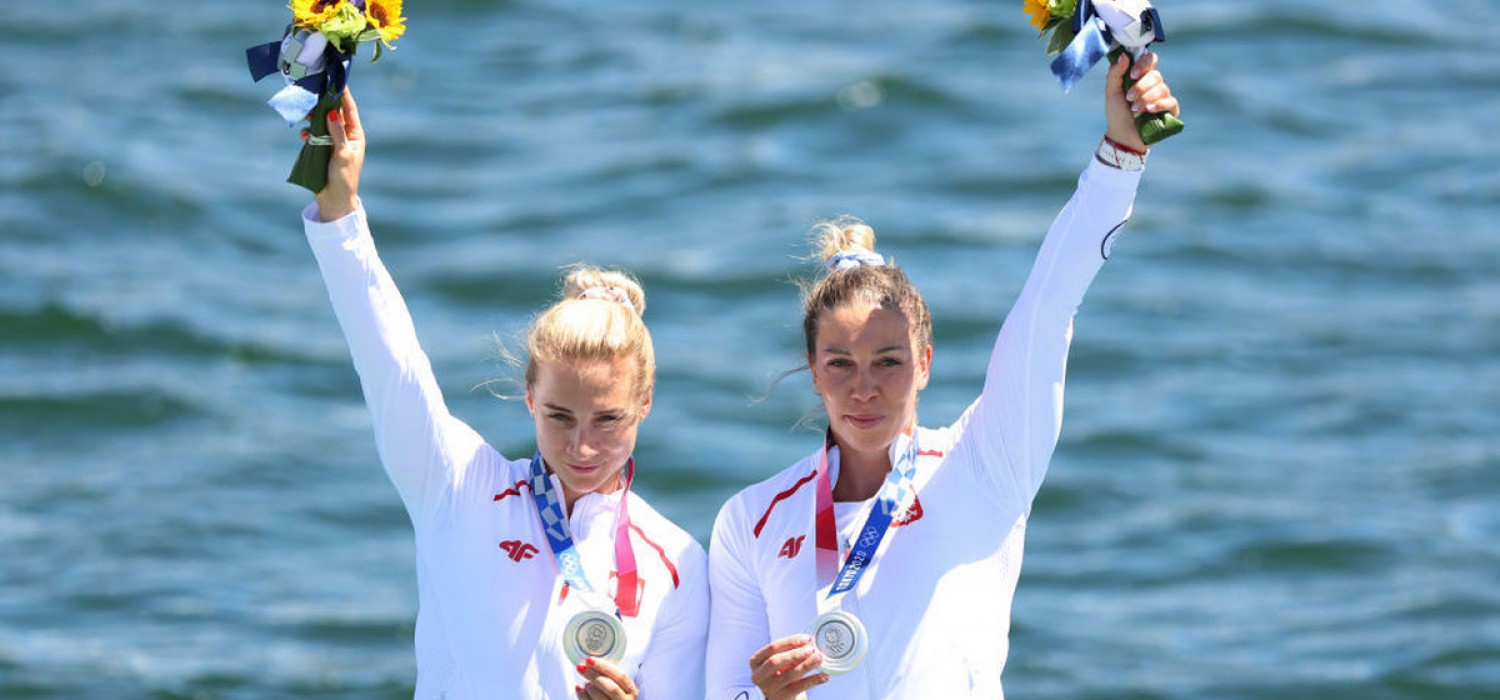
(614, 294)
(854, 257)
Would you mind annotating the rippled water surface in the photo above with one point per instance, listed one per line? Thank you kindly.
(1279, 469)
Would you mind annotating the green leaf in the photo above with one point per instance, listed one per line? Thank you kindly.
(1061, 37)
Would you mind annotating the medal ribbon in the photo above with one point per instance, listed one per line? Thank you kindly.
(893, 494)
(555, 524)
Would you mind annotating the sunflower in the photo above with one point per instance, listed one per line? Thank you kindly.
(385, 17)
(1039, 13)
(313, 13)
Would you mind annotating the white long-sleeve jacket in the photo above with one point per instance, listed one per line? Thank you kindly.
(490, 622)
(936, 601)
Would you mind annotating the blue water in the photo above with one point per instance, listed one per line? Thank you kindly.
(1279, 466)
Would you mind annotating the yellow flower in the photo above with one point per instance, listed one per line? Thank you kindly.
(385, 17)
(312, 13)
(1039, 14)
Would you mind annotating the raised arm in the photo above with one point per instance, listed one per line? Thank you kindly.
(424, 449)
(1019, 415)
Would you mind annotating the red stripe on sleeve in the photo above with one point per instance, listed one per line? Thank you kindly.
(780, 497)
(514, 490)
(672, 568)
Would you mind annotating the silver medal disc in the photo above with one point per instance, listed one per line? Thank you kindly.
(594, 633)
(841, 639)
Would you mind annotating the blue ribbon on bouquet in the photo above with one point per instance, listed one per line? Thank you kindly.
(1091, 42)
(304, 85)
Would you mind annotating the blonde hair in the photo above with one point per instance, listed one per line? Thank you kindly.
(596, 318)
(879, 283)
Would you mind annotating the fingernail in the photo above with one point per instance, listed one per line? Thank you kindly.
(581, 669)
(577, 688)
(822, 679)
(333, 116)
(590, 661)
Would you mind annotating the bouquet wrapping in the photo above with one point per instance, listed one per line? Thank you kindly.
(313, 57)
(1081, 32)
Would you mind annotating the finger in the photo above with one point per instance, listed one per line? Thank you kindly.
(1153, 99)
(351, 115)
(779, 669)
(602, 688)
(780, 663)
(784, 644)
(1148, 88)
(1167, 105)
(336, 130)
(1160, 98)
(805, 666)
(599, 668)
(1152, 94)
(1148, 81)
(805, 684)
(1114, 83)
(797, 678)
(1143, 65)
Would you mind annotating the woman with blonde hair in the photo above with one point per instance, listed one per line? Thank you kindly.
(883, 564)
(538, 578)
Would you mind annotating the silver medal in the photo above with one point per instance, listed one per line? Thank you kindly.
(841, 640)
(594, 633)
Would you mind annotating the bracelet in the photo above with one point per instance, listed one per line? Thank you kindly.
(1120, 156)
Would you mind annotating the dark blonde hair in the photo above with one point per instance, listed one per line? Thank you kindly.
(883, 285)
(598, 318)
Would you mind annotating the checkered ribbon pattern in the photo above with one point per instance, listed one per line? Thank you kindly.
(893, 496)
(549, 508)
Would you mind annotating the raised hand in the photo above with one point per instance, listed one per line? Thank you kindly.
(1149, 94)
(340, 196)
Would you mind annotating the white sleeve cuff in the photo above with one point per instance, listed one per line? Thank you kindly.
(348, 227)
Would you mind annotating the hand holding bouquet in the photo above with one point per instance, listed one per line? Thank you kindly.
(313, 57)
(1084, 31)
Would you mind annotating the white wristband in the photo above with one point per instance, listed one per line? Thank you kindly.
(1116, 156)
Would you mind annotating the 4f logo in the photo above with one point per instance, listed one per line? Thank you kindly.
(792, 547)
(518, 550)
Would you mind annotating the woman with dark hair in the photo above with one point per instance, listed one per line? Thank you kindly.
(883, 564)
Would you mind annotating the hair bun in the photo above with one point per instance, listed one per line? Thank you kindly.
(587, 282)
(845, 242)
